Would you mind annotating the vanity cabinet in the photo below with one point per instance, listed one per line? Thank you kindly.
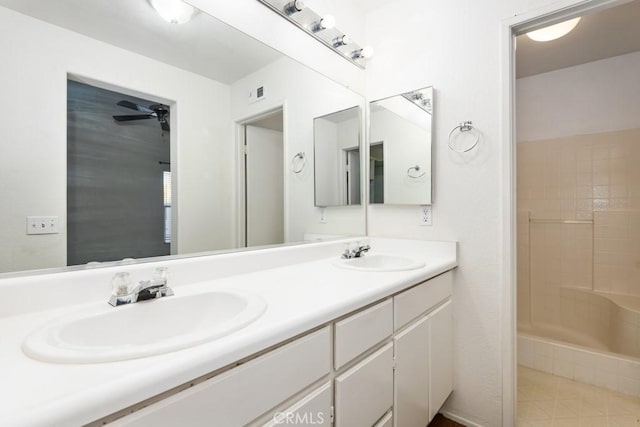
(389, 364)
(423, 348)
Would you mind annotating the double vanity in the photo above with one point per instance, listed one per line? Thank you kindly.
(287, 335)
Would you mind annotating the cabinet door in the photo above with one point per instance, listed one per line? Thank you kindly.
(440, 357)
(411, 394)
(365, 392)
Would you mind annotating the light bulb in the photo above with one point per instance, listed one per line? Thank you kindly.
(365, 53)
(325, 23)
(173, 11)
(328, 22)
(553, 32)
(293, 7)
(341, 41)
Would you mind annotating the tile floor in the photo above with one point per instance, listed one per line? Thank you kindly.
(547, 400)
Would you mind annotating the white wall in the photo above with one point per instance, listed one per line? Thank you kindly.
(456, 47)
(325, 141)
(37, 58)
(305, 95)
(596, 97)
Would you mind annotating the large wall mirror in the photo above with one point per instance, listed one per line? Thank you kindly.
(336, 141)
(400, 149)
(125, 136)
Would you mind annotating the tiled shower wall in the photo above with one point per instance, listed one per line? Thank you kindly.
(584, 177)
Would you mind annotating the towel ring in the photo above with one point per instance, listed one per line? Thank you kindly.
(464, 127)
(417, 173)
(298, 162)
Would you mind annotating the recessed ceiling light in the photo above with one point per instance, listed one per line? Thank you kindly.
(173, 11)
(553, 32)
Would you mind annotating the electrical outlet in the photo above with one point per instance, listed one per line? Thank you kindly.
(425, 215)
(42, 225)
(323, 216)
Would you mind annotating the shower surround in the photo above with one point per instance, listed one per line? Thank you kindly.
(579, 258)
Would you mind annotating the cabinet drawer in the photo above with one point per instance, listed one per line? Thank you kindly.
(313, 409)
(412, 303)
(358, 333)
(365, 392)
(242, 394)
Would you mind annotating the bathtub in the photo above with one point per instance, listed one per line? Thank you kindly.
(596, 341)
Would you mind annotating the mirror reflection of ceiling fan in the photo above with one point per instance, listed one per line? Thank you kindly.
(153, 111)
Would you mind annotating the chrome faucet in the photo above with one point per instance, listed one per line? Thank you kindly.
(357, 252)
(145, 290)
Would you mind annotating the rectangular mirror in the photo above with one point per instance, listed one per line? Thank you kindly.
(400, 149)
(336, 144)
(129, 137)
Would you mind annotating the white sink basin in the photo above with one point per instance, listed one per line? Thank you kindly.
(380, 263)
(106, 334)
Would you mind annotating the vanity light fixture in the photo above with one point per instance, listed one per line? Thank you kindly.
(174, 11)
(422, 98)
(322, 28)
(553, 32)
(326, 23)
(293, 7)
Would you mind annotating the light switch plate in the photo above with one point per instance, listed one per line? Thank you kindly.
(42, 225)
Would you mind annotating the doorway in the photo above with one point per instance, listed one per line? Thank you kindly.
(352, 175)
(264, 180)
(562, 155)
(118, 176)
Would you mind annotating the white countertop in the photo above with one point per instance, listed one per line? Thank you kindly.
(300, 297)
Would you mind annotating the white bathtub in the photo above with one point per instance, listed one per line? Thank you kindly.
(597, 341)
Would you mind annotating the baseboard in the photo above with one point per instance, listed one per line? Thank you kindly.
(459, 419)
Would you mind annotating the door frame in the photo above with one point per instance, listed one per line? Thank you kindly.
(510, 28)
(239, 220)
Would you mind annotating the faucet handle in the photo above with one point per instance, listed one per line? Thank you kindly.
(161, 276)
(120, 284)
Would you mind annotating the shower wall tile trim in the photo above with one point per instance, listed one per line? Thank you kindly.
(603, 370)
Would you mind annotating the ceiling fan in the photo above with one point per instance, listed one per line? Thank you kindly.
(157, 111)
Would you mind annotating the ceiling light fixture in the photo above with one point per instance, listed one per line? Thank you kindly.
(326, 23)
(553, 32)
(174, 11)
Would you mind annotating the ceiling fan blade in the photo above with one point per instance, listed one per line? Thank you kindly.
(164, 126)
(134, 106)
(133, 117)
